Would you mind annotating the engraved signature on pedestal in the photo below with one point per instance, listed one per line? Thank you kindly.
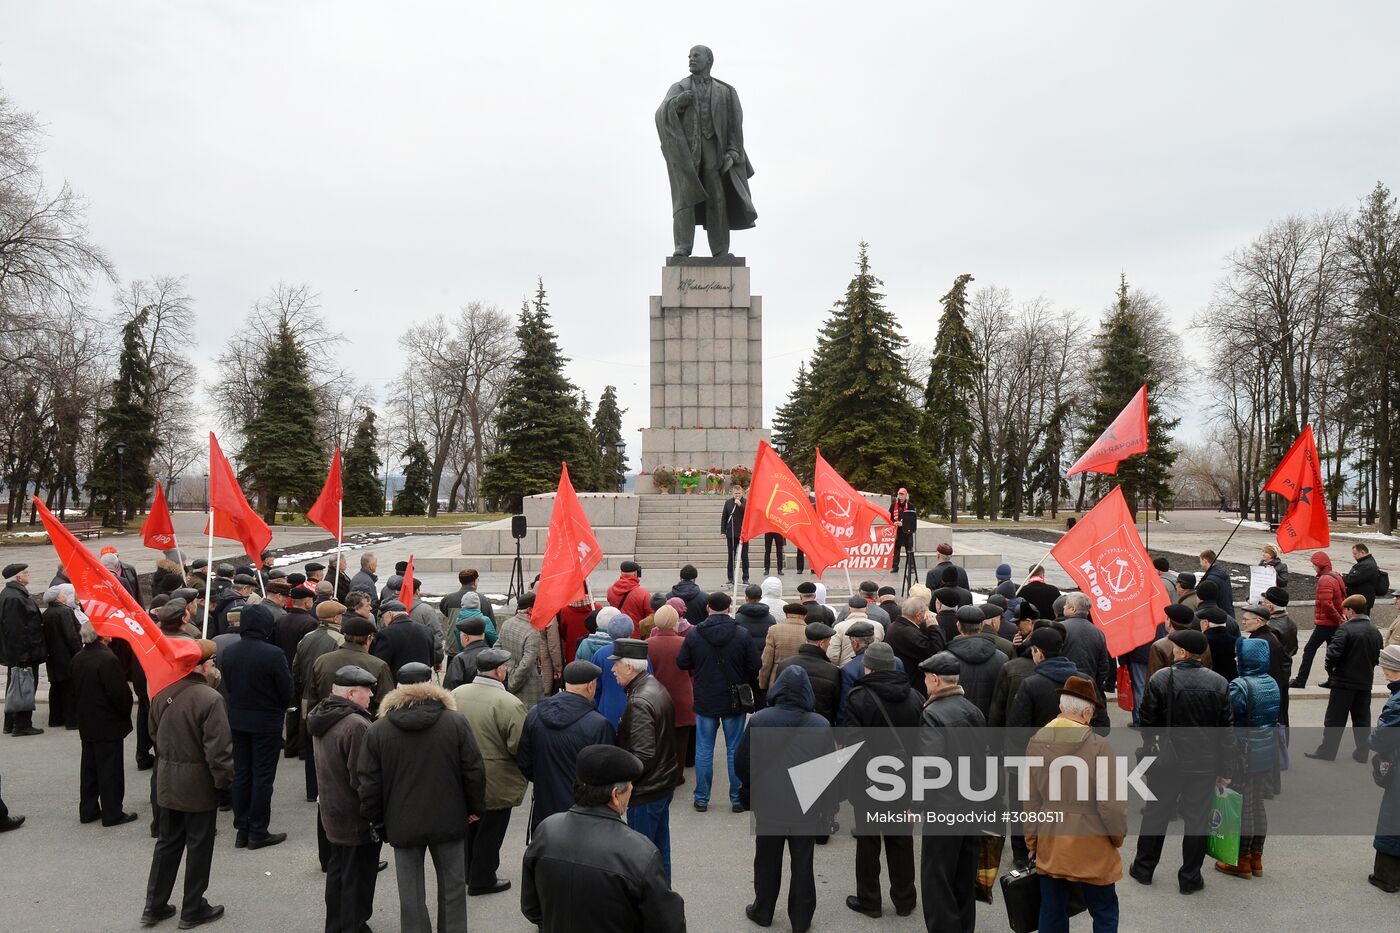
(689, 285)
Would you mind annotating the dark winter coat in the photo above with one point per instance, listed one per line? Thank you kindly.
(1361, 580)
(324, 668)
(889, 690)
(1193, 704)
(61, 641)
(1353, 653)
(194, 757)
(731, 519)
(1013, 674)
(694, 598)
(824, 677)
(586, 871)
(790, 706)
(981, 665)
(1042, 596)
(338, 729)
(648, 730)
(223, 605)
(367, 582)
(1222, 651)
(934, 578)
(421, 773)
(555, 731)
(952, 729)
(1037, 700)
(21, 627)
(913, 644)
(324, 639)
(1254, 703)
(1221, 575)
(1331, 590)
(718, 653)
(403, 642)
(1385, 741)
(103, 696)
(257, 680)
(462, 668)
(290, 629)
(1086, 647)
(756, 619)
(169, 577)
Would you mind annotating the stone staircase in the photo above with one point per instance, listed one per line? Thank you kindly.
(675, 530)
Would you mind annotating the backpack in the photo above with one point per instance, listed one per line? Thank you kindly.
(1382, 583)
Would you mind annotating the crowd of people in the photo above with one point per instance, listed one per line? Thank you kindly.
(390, 700)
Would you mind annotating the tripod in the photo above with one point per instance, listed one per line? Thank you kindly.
(517, 576)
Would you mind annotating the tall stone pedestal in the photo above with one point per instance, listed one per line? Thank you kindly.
(706, 368)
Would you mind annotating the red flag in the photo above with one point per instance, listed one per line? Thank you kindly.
(777, 502)
(570, 553)
(157, 532)
(326, 511)
(234, 518)
(1105, 556)
(114, 614)
(1127, 435)
(406, 587)
(848, 516)
(1299, 480)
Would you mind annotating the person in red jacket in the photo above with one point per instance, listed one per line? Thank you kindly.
(1327, 613)
(627, 595)
(573, 624)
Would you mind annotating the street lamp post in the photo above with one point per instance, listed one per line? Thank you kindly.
(206, 493)
(1275, 450)
(781, 446)
(121, 518)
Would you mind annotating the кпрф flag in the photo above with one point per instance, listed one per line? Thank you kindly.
(233, 517)
(777, 502)
(1299, 480)
(1105, 556)
(846, 514)
(1127, 435)
(115, 614)
(571, 551)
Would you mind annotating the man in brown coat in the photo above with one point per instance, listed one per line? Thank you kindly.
(1160, 654)
(190, 731)
(356, 634)
(782, 642)
(1082, 850)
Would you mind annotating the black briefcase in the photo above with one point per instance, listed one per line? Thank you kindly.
(1021, 892)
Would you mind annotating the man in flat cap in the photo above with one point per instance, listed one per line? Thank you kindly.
(422, 781)
(497, 717)
(953, 728)
(555, 732)
(337, 727)
(648, 730)
(401, 640)
(356, 635)
(296, 623)
(585, 871)
(1186, 718)
(190, 729)
(813, 656)
(471, 637)
(1352, 656)
(315, 572)
(21, 643)
(232, 598)
(784, 638)
(324, 638)
(266, 566)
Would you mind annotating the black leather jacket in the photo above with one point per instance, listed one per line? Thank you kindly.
(1353, 653)
(585, 870)
(648, 730)
(1192, 704)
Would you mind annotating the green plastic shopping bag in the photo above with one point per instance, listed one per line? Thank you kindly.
(1224, 842)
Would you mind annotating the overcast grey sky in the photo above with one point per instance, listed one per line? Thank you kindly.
(405, 158)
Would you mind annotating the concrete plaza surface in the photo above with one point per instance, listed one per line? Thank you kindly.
(58, 875)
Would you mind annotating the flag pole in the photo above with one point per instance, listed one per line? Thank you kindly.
(848, 580)
(340, 525)
(209, 572)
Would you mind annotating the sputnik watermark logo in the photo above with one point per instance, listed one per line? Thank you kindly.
(811, 778)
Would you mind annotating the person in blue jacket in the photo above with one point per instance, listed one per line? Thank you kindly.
(1254, 701)
(1385, 742)
(556, 729)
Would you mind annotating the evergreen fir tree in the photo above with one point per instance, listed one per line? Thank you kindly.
(364, 495)
(947, 415)
(129, 421)
(862, 419)
(540, 423)
(283, 457)
(1044, 483)
(607, 427)
(1012, 475)
(1120, 368)
(791, 428)
(417, 481)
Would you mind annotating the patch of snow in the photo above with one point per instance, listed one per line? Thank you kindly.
(1363, 535)
(1257, 526)
(26, 534)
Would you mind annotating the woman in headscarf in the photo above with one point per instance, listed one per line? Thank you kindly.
(61, 627)
(678, 604)
(471, 609)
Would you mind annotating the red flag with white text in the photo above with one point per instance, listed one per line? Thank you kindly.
(571, 551)
(157, 531)
(1127, 435)
(114, 614)
(326, 510)
(1105, 556)
(234, 518)
(850, 518)
(777, 502)
(1299, 480)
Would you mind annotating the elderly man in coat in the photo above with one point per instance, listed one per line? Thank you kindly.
(497, 718)
(648, 730)
(585, 871)
(555, 732)
(190, 731)
(103, 720)
(337, 728)
(21, 643)
(1082, 853)
(522, 641)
